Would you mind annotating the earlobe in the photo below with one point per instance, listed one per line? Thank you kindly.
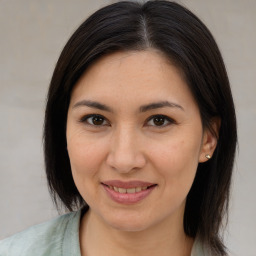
(208, 156)
(210, 140)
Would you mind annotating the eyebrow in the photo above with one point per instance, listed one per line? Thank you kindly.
(161, 104)
(93, 104)
(142, 109)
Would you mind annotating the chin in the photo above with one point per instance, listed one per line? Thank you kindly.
(127, 223)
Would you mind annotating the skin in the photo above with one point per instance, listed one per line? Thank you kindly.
(131, 145)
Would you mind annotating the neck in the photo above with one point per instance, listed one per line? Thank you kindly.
(165, 239)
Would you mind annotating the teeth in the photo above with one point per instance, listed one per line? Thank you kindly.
(131, 190)
(128, 190)
(138, 189)
(122, 190)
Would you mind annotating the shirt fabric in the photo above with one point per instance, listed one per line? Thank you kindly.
(57, 237)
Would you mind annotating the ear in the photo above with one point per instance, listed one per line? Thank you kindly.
(209, 140)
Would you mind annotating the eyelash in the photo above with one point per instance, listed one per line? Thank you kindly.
(85, 119)
(167, 120)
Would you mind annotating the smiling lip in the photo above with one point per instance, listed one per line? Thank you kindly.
(128, 192)
(127, 184)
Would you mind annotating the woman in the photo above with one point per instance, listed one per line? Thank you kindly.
(140, 138)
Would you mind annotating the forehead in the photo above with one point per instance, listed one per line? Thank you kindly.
(130, 76)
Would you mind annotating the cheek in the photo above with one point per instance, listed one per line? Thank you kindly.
(86, 156)
(177, 162)
(85, 161)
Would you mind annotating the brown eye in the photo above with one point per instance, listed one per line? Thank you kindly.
(97, 120)
(94, 120)
(159, 121)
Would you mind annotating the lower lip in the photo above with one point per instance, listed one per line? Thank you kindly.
(126, 198)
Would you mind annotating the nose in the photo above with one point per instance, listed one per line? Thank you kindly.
(125, 153)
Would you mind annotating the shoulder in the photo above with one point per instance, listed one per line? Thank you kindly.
(199, 249)
(45, 239)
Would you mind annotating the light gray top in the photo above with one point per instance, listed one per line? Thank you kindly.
(57, 237)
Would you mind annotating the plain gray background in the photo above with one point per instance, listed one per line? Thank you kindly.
(32, 34)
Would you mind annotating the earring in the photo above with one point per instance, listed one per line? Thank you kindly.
(208, 156)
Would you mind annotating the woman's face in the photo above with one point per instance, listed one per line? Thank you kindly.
(135, 138)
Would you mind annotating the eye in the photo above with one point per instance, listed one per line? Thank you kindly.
(95, 120)
(159, 121)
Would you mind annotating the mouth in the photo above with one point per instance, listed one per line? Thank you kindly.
(128, 192)
(133, 190)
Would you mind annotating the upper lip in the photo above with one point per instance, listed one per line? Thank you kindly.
(127, 184)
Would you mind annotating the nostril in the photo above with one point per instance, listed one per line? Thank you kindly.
(125, 162)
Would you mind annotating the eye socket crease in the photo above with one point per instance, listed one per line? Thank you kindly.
(142, 109)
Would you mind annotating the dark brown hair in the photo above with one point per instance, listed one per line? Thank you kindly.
(186, 42)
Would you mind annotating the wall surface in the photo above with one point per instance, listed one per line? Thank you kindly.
(33, 33)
